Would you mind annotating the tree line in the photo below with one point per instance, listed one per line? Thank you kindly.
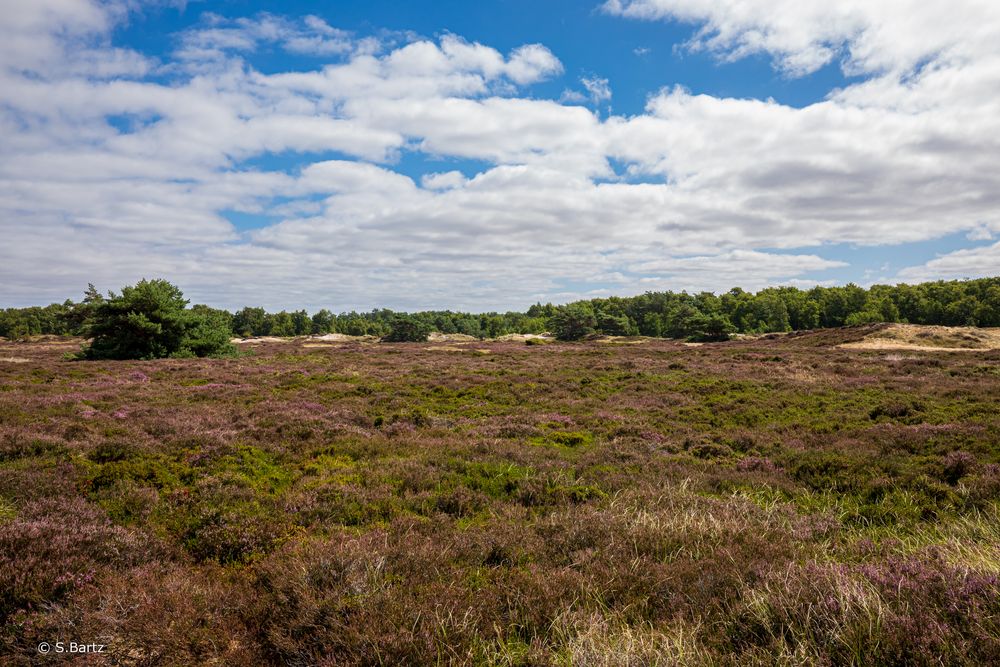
(701, 316)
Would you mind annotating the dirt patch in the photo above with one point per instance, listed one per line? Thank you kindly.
(14, 360)
(339, 338)
(929, 339)
(520, 338)
(623, 340)
(437, 337)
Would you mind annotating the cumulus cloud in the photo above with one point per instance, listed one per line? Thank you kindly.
(531, 63)
(804, 35)
(218, 36)
(598, 88)
(49, 38)
(443, 181)
(721, 272)
(109, 173)
(969, 263)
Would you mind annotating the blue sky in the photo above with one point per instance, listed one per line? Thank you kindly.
(489, 155)
(638, 56)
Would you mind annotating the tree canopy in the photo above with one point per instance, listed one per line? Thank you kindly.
(407, 330)
(150, 320)
(701, 316)
(574, 321)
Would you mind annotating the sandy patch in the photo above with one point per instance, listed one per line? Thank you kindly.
(929, 339)
(520, 338)
(15, 360)
(890, 345)
(339, 337)
(261, 339)
(437, 337)
(623, 340)
(457, 348)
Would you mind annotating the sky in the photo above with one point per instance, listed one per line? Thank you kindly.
(493, 154)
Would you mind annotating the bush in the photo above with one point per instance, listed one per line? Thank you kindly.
(864, 317)
(407, 330)
(150, 321)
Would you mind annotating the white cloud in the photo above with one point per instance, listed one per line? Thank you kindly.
(108, 174)
(218, 36)
(572, 97)
(980, 234)
(804, 35)
(53, 37)
(443, 181)
(598, 88)
(970, 263)
(531, 63)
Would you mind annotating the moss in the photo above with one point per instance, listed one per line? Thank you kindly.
(156, 472)
(564, 439)
(113, 451)
(126, 501)
(7, 511)
(254, 468)
(496, 480)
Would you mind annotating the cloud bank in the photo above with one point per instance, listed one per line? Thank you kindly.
(117, 164)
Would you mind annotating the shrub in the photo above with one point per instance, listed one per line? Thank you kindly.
(957, 465)
(56, 546)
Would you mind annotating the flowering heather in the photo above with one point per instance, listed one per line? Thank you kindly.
(779, 501)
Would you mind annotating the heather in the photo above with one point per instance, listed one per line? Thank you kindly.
(770, 501)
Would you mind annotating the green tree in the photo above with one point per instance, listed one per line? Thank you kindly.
(150, 321)
(250, 322)
(710, 328)
(682, 320)
(280, 324)
(301, 323)
(573, 322)
(864, 317)
(323, 322)
(352, 325)
(75, 316)
(208, 335)
(13, 324)
(406, 329)
(614, 325)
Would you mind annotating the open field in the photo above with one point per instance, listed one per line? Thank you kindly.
(785, 500)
